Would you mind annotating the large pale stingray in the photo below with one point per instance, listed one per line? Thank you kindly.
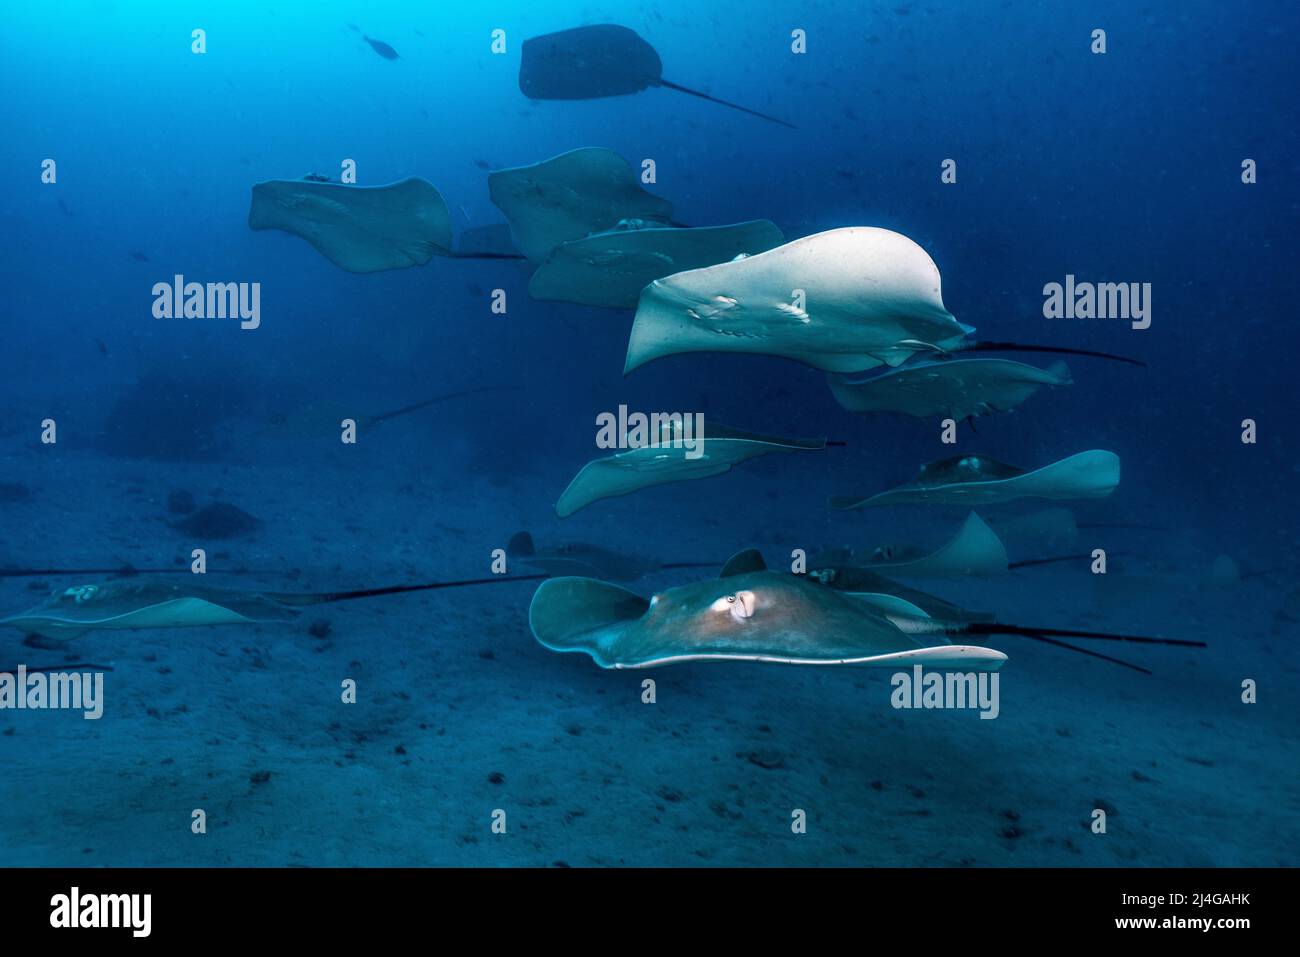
(592, 62)
(974, 550)
(956, 388)
(755, 616)
(844, 300)
(147, 602)
(977, 479)
(752, 614)
(571, 196)
(359, 228)
(667, 459)
(611, 268)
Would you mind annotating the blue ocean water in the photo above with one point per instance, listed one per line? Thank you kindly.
(1123, 166)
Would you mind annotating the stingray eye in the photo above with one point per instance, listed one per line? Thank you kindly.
(740, 605)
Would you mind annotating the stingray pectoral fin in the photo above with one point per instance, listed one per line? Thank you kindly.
(956, 657)
(714, 452)
(953, 657)
(974, 550)
(583, 614)
(846, 502)
(1091, 474)
(890, 604)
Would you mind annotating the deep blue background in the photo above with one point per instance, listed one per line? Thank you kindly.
(1122, 167)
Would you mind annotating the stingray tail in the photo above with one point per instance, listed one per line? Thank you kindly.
(1089, 652)
(326, 598)
(713, 99)
(1026, 631)
(1056, 350)
(445, 397)
(1050, 636)
(969, 629)
(1082, 557)
(459, 255)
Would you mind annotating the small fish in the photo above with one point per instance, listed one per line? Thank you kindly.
(482, 164)
(103, 349)
(64, 206)
(382, 48)
(139, 256)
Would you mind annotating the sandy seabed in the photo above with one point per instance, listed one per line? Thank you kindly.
(461, 713)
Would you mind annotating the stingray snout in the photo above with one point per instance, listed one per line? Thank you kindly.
(739, 605)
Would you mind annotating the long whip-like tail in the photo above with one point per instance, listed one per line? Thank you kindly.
(1057, 350)
(735, 106)
(999, 628)
(445, 397)
(1089, 652)
(324, 598)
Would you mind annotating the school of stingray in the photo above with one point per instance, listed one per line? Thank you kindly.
(862, 304)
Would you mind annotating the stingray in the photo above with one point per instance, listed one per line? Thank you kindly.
(362, 228)
(580, 558)
(154, 603)
(611, 268)
(217, 521)
(382, 48)
(753, 614)
(970, 479)
(845, 300)
(359, 228)
(671, 459)
(956, 388)
(324, 419)
(974, 550)
(593, 62)
(571, 196)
